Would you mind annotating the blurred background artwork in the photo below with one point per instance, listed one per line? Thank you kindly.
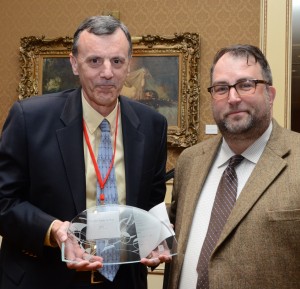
(154, 81)
(57, 75)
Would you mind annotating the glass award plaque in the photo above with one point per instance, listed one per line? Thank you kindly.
(128, 233)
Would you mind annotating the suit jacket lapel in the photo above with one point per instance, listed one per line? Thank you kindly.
(200, 166)
(133, 142)
(70, 139)
(266, 170)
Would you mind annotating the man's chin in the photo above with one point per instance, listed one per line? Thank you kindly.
(236, 127)
(103, 91)
(105, 95)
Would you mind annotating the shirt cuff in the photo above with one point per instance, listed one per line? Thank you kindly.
(48, 241)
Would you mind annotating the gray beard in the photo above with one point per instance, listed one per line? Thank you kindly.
(253, 128)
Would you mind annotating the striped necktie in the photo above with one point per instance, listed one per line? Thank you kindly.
(223, 204)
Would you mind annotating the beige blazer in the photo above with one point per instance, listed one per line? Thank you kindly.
(259, 247)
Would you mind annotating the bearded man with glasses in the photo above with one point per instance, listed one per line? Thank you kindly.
(249, 237)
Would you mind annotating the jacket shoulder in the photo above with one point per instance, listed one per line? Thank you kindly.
(203, 146)
(205, 149)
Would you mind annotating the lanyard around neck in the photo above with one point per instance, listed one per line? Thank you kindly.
(101, 181)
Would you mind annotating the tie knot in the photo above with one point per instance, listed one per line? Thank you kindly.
(235, 160)
(104, 125)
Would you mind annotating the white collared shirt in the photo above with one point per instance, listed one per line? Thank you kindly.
(203, 209)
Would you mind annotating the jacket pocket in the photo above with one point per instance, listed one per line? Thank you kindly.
(284, 215)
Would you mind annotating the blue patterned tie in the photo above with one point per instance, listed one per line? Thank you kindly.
(104, 159)
(110, 193)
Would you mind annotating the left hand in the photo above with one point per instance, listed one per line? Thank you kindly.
(160, 255)
(155, 261)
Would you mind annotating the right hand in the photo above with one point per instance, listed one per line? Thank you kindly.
(84, 261)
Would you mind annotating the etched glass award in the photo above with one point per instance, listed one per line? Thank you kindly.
(128, 233)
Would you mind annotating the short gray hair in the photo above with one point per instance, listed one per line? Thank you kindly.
(101, 25)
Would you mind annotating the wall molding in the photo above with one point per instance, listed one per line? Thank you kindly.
(276, 43)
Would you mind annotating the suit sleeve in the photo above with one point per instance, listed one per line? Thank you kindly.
(159, 180)
(21, 222)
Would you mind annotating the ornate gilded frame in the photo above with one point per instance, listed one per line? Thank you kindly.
(184, 47)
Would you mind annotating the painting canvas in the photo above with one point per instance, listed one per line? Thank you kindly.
(57, 75)
(154, 80)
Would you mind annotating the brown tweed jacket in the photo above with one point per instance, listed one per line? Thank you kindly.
(259, 247)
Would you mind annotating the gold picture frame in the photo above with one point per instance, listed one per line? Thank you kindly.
(168, 66)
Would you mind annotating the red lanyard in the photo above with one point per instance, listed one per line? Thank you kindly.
(98, 173)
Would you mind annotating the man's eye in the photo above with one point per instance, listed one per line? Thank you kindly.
(117, 62)
(95, 62)
(221, 89)
(245, 85)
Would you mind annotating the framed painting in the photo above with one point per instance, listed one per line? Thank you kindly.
(163, 75)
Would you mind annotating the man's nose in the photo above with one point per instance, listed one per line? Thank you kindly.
(106, 69)
(233, 95)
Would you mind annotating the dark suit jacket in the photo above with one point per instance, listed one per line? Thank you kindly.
(42, 178)
(259, 247)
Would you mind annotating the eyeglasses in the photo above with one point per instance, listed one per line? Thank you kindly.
(242, 87)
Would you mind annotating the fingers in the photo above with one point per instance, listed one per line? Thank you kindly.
(156, 261)
(150, 262)
(85, 265)
(165, 259)
(77, 258)
(58, 231)
(62, 230)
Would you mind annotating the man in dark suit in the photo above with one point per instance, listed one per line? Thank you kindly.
(46, 172)
(258, 247)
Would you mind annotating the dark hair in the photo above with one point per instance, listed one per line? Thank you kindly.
(246, 51)
(100, 25)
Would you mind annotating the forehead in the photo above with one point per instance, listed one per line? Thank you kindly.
(107, 44)
(237, 67)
